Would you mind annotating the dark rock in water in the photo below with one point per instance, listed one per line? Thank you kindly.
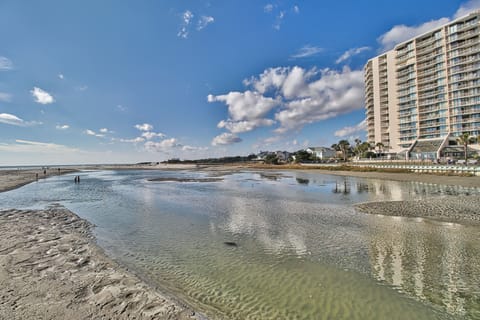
(231, 244)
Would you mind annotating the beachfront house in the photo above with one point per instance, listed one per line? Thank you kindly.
(321, 153)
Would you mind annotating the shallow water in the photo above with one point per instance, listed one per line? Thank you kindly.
(298, 248)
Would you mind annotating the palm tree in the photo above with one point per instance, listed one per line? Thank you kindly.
(465, 139)
(380, 146)
(344, 145)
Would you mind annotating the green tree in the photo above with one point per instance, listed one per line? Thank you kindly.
(380, 146)
(344, 147)
(465, 139)
(271, 158)
(302, 156)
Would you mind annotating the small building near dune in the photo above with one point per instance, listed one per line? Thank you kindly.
(321, 153)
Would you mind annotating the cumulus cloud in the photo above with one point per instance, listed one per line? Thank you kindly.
(61, 76)
(225, 139)
(306, 51)
(42, 96)
(350, 53)
(150, 135)
(162, 146)
(62, 127)
(293, 96)
(93, 133)
(296, 9)
(347, 131)
(5, 64)
(13, 120)
(5, 97)
(204, 21)
(467, 7)
(134, 140)
(144, 127)
(194, 149)
(187, 17)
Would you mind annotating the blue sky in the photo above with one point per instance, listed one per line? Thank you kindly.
(129, 81)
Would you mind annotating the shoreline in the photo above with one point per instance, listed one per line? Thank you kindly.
(55, 270)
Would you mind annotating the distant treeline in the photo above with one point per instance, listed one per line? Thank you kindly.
(213, 160)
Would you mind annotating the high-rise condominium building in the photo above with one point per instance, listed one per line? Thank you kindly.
(424, 93)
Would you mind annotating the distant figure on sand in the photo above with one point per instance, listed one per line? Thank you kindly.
(77, 179)
(36, 176)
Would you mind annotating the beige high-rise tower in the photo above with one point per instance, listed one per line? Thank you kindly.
(425, 92)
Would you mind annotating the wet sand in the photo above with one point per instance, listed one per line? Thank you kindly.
(50, 268)
(12, 179)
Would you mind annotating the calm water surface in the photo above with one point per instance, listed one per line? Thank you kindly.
(302, 251)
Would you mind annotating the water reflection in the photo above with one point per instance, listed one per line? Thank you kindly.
(432, 261)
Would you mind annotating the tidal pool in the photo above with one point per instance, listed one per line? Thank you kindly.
(276, 245)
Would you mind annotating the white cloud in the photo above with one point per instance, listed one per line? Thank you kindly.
(104, 130)
(93, 133)
(122, 108)
(42, 96)
(246, 110)
(193, 149)
(13, 120)
(467, 7)
(162, 146)
(350, 53)
(245, 125)
(268, 8)
(296, 9)
(204, 21)
(5, 97)
(347, 131)
(61, 76)
(134, 140)
(246, 105)
(225, 139)
(278, 20)
(306, 51)
(187, 17)
(5, 64)
(81, 88)
(150, 135)
(62, 127)
(144, 127)
(35, 147)
(298, 97)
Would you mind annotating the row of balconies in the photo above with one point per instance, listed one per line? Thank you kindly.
(464, 52)
(460, 61)
(431, 71)
(433, 78)
(430, 86)
(467, 85)
(461, 111)
(462, 44)
(430, 63)
(466, 69)
(429, 49)
(429, 56)
(427, 102)
(463, 35)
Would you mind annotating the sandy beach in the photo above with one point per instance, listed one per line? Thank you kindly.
(51, 268)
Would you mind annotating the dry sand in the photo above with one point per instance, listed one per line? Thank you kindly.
(50, 268)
